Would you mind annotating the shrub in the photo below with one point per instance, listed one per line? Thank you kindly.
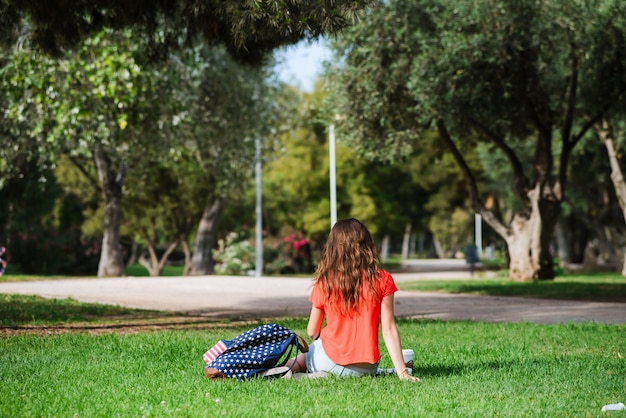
(234, 255)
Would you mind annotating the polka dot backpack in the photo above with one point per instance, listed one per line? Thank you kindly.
(254, 353)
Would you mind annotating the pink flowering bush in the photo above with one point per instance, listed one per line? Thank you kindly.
(236, 254)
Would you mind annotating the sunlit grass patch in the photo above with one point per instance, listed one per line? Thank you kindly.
(599, 287)
(34, 310)
(467, 369)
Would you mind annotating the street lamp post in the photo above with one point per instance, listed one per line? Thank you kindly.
(478, 233)
(258, 270)
(333, 181)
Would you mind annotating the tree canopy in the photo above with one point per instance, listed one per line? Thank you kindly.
(247, 28)
(527, 78)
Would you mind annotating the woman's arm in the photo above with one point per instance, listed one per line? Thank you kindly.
(315, 323)
(392, 338)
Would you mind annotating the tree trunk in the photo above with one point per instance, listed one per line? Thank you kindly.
(438, 248)
(134, 254)
(563, 248)
(406, 241)
(529, 237)
(529, 234)
(202, 260)
(111, 260)
(420, 245)
(522, 267)
(549, 211)
(144, 260)
(606, 248)
(152, 263)
(384, 248)
(187, 252)
(605, 134)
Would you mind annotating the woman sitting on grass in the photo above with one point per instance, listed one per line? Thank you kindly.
(354, 295)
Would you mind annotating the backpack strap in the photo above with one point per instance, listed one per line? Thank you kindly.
(302, 344)
(282, 370)
(274, 372)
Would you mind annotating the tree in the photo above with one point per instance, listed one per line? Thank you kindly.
(613, 140)
(96, 106)
(247, 28)
(513, 75)
(394, 200)
(226, 107)
(162, 212)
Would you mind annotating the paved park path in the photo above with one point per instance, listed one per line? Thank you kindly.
(241, 297)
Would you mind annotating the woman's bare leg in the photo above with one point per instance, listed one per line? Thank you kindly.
(300, 363)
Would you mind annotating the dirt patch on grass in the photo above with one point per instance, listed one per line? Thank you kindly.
(126, 325)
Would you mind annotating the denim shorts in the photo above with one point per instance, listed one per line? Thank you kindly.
(318, 361)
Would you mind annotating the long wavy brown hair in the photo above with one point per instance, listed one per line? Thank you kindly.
(348, 268)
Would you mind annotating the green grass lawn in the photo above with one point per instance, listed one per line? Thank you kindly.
(20, 310)
(467, 369)
(599, 287)
(139, 270)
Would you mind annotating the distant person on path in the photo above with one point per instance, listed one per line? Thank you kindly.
(3, 260)
(355, 296)
(471, 256)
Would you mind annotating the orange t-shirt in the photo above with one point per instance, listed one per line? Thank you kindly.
(349, 339)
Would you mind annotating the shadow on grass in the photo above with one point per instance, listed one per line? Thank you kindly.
(600, 292)
(460, 368)
(16, 310)
(588, 289)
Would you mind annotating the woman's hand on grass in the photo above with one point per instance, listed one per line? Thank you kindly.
(404, 375)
